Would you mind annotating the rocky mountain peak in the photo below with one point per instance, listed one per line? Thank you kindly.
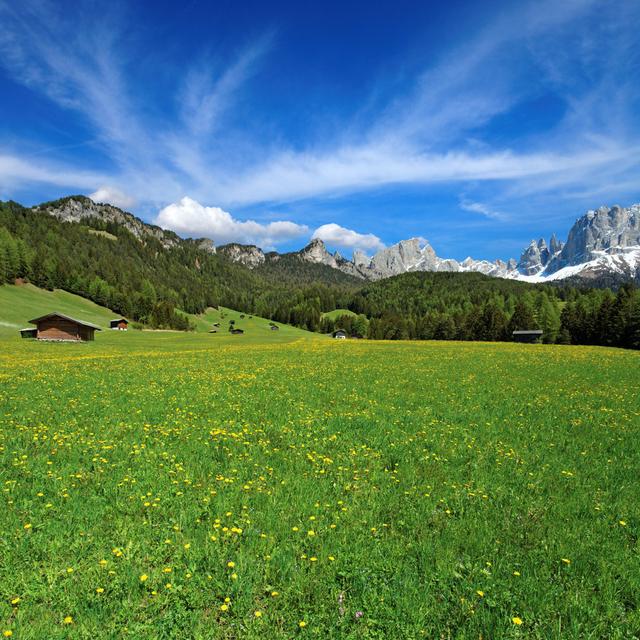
(316, 251)
(247, 254)
(613, 230)
(81, 209)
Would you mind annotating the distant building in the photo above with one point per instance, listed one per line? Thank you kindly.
(237, 331)
(120, 324)
(339, 334)
(274, 328)
(529, 335)
(29, 332)
(59, 327)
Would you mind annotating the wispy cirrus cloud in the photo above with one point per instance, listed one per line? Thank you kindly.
(438, 132)
(482, 209)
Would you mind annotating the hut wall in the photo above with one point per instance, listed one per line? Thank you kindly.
(86, 333)
(58, 329)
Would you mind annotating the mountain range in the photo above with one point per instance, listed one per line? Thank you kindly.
(602, 249)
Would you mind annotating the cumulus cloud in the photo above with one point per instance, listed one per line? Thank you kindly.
(336, 235)
(189, 217)
(113, 196)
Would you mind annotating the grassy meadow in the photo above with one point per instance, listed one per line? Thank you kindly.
(285, 485)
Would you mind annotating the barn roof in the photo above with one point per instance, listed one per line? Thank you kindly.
(525, 332)
(56, 314)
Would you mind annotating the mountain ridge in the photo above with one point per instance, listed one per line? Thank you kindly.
(603, 246)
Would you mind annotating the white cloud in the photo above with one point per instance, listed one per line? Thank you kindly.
(15, 171)
(113, 196)
(483, 209)
(189, 217)
(336, 235)
(428, 135)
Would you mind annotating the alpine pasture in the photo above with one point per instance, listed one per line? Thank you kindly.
(284, 485)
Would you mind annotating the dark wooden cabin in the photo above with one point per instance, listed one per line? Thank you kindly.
(29, 332)
(120, 324)
(274, 328)
(59, 327)
(237, 331)
(530, 335)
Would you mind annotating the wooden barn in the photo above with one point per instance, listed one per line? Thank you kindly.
(273, 327)
(339, 334)
(59, 327)
(119, 324)
(237, 332)
(530, 335)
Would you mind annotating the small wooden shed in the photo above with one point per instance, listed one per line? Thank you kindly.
(119, 324)
(237, 332)
(530, 335)
(339, 334)
(60, 327)
(273, 327)
(29, 332)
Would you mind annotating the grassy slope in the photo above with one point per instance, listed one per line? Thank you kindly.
(19, 304)
(337, 313)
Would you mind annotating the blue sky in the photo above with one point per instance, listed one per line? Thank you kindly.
(477, 126)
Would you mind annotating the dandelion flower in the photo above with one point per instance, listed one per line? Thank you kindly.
(99, 590)
(224, 607)
(15, 601)
(302, 624)
(517, 621)
(8, 633)
(231, 565)
(566, 560)
(623, 523)
(144, 577)
(257, 614)
(28, 525)
(68, 620)
(480, 593)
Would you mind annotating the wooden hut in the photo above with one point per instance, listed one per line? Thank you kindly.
(273, 327)
(119, 324)
(29, 332)
(339, 334)
(530, 335)
(59, 327)
(237, 331)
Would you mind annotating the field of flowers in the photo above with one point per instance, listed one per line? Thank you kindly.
(163, 487)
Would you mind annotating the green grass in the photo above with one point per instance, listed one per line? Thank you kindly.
(338, 313)
(19, 304)
(441, 489)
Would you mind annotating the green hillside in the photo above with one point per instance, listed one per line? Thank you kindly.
(19, 304)
(338, 313)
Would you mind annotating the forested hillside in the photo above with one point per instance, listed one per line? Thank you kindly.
(142, 279)
(471, 306)
(147, 281)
